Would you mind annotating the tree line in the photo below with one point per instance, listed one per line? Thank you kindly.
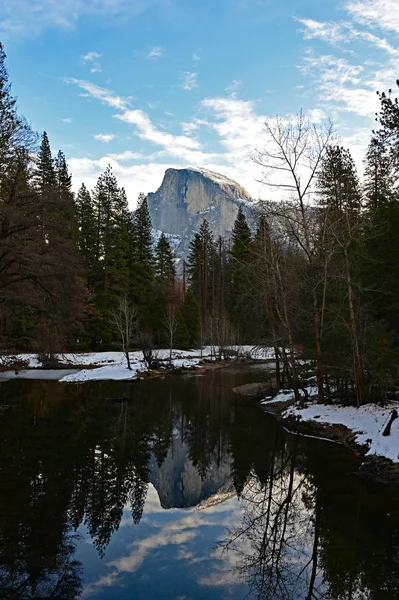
(77, 270)
(317, 279)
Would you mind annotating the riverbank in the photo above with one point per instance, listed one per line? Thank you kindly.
(365, 429)
(100, 366)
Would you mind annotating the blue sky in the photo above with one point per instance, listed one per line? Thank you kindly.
(149, 84)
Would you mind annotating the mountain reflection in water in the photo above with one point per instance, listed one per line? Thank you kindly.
(180, 493)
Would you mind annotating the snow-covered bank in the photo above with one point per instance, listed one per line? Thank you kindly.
(367, 423)
(112, 365)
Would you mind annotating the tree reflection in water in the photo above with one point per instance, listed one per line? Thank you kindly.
(309, 530)
(276, 542)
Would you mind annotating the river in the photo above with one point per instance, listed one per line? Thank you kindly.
(177, 492)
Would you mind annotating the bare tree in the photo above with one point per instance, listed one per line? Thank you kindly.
(124, 318)
(291, 158)
(145, 341)
(171, 325)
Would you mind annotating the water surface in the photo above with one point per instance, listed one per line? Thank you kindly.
(178, 492)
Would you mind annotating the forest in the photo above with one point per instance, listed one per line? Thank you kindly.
(318, 279)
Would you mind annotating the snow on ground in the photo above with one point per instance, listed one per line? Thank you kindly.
(112, 365)
(285, 395)
(367, 422)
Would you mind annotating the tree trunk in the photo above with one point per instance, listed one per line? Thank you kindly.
(319, 357)
(357, 360)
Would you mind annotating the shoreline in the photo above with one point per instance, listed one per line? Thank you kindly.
(373, 466)
(108, 366)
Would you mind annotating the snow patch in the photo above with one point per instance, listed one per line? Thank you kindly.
(112, 365)
(367, 423)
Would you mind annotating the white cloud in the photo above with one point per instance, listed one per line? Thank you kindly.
(67, 120)
(383, 14)
(189, 126)
(145, 177)
(104, 95)
(147, 131)
(93, 59)
(238, 125)
(338, 33)
(330, 32)
(128, 155)
(91, 56)
(189, 81)
(155, 52)
(104, 137)
(27, 18)
(233, 87)
(343, 86)
(197, 55)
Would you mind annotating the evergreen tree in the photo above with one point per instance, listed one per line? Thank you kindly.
(199, 268)
(112, 214)
(241, 256)
(388, 118)
(338, 183)
(378, 175)
(221, 277)
(45, 174)
(16, 137)
(182, 336)
(192, 318)
(86, 230)
(261, 285)
(165, 271)
(380, 263)
(112, 248)
(142, 261)
(63, 177)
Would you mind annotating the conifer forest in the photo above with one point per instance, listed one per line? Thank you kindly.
(316, 279)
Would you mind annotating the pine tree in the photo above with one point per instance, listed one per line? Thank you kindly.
(110, 280)
(141, 265)
(86, 226)
(338, 183)
(339, 244)
(111, 209)
(381, 256)
(199, 268)
(388, 118)
(262, 287)
(182, 336)
(378, 174)
(241, 256)
(45, 175)
(165, 271)
(19, 239)
(16, 137)
(63, 177)
(192, 317)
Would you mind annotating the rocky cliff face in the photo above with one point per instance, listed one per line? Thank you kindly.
(188, 196)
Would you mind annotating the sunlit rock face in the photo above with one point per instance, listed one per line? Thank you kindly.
(188, 196)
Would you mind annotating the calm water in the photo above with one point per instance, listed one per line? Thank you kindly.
(179, 493)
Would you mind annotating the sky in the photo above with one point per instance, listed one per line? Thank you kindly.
(145, 85)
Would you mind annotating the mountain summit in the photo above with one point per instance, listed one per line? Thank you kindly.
(188, 196)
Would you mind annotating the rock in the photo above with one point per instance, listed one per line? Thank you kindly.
(188, 196)
(253, 391)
